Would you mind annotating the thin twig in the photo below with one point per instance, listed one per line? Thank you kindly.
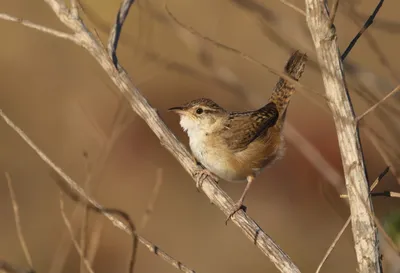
(71, 233)
(85, 216)
(152, 199)
(41, 28)
(292, 6)
(387, 194)
(17, 219)
(333, 11)
(332, 246)
(94, 241)
(369, 22)
(373, 137)
(342, 230)
(116, 31)
(373, 107)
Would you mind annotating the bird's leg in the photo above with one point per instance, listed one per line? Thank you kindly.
(239, 204)
(203, 174)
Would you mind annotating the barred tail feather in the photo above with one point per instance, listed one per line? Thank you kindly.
(283, 89)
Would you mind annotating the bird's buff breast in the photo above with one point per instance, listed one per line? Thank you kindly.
(232, 167)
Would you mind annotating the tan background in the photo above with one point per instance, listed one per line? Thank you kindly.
(62, 99)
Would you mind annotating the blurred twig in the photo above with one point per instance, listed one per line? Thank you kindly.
(339, 235)
(9, 268)
(364, 28)
(373, 107)
(17, 218)
(74, 241)
(152, 199)
(292, 6)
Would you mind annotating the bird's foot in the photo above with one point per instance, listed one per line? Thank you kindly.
(238, 206)
(201, 175)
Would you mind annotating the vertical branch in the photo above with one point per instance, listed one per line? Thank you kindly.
(363, 227)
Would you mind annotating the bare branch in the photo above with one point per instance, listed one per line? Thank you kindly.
(44, 29)
(364, 28)
(342, 230)
(18, 225)
(363, 227)
(71, 233)
(373, 107)
(140, 105)
(116, 30)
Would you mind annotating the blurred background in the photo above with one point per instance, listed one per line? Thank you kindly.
(64, 101)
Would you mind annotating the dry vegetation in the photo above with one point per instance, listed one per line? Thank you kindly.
(79, 121)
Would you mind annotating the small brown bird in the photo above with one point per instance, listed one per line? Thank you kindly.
(236, 146)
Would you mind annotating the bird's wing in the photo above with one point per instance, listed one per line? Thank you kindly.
(249, 126)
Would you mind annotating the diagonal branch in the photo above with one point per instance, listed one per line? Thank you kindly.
(363, 227)
(140, 105)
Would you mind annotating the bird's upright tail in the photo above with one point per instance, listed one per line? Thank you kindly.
(284, 89)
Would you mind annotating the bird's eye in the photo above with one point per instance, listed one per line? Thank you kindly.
(199, 111)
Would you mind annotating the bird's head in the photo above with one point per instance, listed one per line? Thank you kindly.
(198, 115)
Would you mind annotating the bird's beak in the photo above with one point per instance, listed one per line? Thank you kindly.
(178, 109)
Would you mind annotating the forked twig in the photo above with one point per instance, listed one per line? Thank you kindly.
(17, 219)
(342, 230)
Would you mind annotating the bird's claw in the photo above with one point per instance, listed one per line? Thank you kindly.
(238, 206)
(201, 175)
